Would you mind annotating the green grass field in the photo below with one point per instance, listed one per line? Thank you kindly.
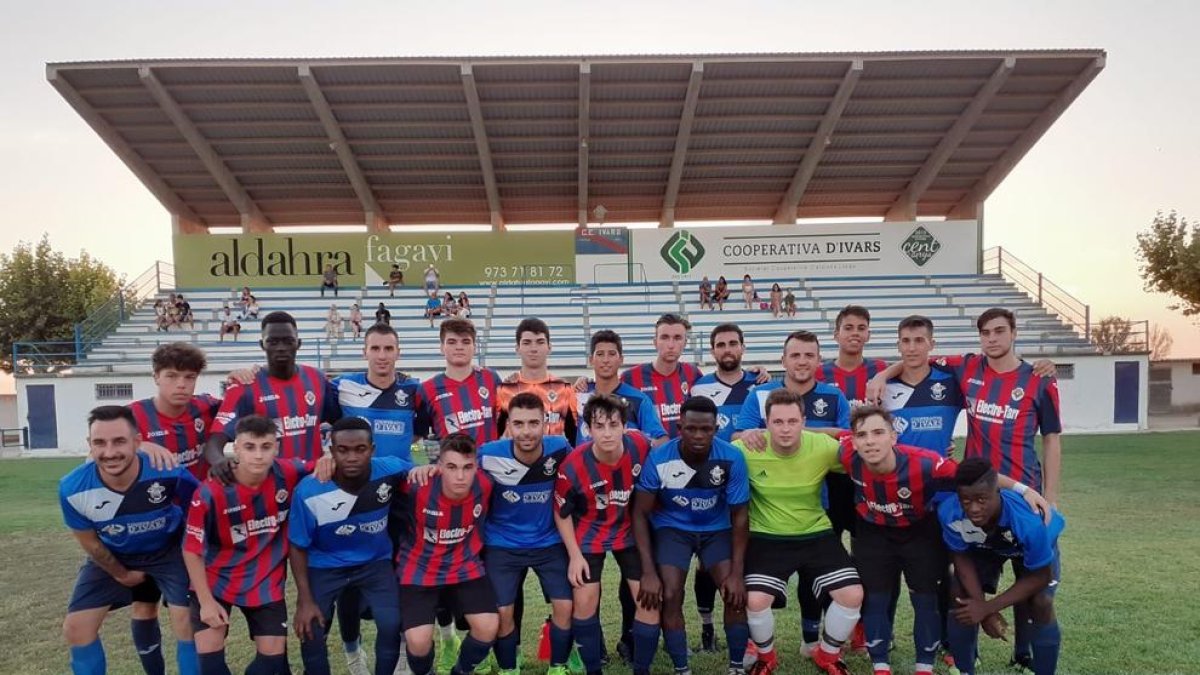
(1129, 600)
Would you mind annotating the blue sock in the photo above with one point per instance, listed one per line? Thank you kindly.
(877, 625)
(506, 651)
(676, 643)
(645, 644)
(213, 663)
(147, 640)
(1047, 639)
(590, 640)
(560, 645)
(276, 664)
(185, 657)
(350, 647)
(927, 627)
(963, 643)
(471, 654)
(736, 636)
(420, 665)
(89, 659)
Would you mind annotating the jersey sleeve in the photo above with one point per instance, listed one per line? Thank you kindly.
(1034, 536)
(1049, 419)
(846, 453)
(186, 485)
(565, 491)
(71, 517)
(331, 407)
(737, 489)
(197, 522)
(234, 406)
(393, 466)
(843, 415)
(948, 513)
(750, 416)
(829, 450)
(648, 421)
(301, 524)
(649, 480)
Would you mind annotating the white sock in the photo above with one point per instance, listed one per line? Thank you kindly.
(762, 629)
(839, 623)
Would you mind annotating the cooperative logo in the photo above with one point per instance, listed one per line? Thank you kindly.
(920, 246)
(682, 251)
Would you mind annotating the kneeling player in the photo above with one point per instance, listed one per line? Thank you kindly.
(694, 491)
(438, 558)
(985, 526)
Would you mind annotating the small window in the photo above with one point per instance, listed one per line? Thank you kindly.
(1196, 367)
(122, 391)
(1064, 371)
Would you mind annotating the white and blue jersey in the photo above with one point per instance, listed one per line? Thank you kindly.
(695, 499)
(924, 414)
(1020, 532)
(825, 407)
(340, 529)
(640, 413)
(147, 518)
(522, 509)
(729, 399)
(391, 411)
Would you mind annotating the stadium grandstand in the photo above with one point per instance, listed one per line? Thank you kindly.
(641, 174)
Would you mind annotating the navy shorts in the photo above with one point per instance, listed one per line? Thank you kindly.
(506, 569)
(164, 571)
(628, 561)
(988, 566)
(374, 583)
(675, 547)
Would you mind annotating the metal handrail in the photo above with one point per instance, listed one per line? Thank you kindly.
(1049, 295)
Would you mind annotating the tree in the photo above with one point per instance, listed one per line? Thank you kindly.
(43, 294)
(1160, 342)
(1112, 335)
(1170, 255)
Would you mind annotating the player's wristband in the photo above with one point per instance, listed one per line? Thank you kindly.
(1020, 488)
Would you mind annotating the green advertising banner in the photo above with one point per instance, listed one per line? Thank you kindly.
(297, 260)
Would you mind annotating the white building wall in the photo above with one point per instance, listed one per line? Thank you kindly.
(1185, 387)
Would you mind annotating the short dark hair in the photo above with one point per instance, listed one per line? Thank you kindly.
(532, 324)
(975, 471)
(256, 425)
(862, 412)
(109, 413)
(382, 329)
(916, 321)
(181, 356)
(607, 405)
(527, 400)
(351, 423)
(784, 396)
(278, 317)
(851, 310)
(698, 404)
(606, 336)
(725, 328)
(996, 313)
(457, 442)
(456, 326)
(672, 319)
(802, 336)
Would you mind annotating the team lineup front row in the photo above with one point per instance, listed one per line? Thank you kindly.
(650, 475)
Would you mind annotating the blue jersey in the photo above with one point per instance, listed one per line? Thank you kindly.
(924, 414)
(729, 399)
(640, 413)
(522, 508)
(391, 411)
(1020, 531)
(146, 518)
(825, 407)
(340, 529)
(695, 499)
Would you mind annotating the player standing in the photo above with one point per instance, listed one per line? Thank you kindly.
(558, 395)
(606, 356)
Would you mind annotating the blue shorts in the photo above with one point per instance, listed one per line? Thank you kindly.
(96, 588)
(988, 566)
(675, 547)
(506, 568)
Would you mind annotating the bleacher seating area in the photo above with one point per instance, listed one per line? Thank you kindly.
(574, 312)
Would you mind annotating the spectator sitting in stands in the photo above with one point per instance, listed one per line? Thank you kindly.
(789, 303)
(433, 308)
(721, 294)
(395, 278)
(245, 299)
(706, 293)
(251, 309)
(183, 313)
(383, 316)
(356, 320)
(333, 324)
(161, 318)
(230, 324)
(776, 300)
(464, 305)
(748, 293)
(433, 280)
(329, 280)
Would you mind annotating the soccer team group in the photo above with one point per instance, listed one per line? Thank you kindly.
(656, 465)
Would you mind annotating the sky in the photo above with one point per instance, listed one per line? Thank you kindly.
(1125, 149)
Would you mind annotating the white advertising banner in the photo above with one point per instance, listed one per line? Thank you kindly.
(802, 251)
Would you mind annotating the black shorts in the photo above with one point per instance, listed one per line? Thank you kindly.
(882, 553)
(628, 562)
(419, 604)
(820, 561)
(839, 490)
(269, 620)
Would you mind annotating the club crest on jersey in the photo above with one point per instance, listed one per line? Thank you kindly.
(683, 386)
(384, 492)
(637, 470)
(156, 493)
(904, 493)
(483, 393)
(551, 396)
(1018, 394)
(401, 398)
(938, 391)
(281, 496)
(717, 475)
(477, 510)
(820, 407)
(548, 467)
(310, 398)
(198, 424)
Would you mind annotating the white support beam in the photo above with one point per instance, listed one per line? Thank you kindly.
(158, 187)
(373, 214)
(968, 205)
(253, 219)
(682, 138)
(483, 147)
(786, 213)
(905, 207)
(585, 117)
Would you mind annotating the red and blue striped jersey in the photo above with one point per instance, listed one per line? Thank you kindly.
(599, 497)
(461, 406)
(902, 497)
(852, 383)
(1005, 411)
(666, 392)
(441, 538)
(184, 435)
(298, 405)
(239, 532)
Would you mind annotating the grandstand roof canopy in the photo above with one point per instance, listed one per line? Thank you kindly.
(507, 140)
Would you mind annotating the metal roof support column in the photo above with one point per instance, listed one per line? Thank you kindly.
(585, 105)
(482, 146)
(682, 137)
